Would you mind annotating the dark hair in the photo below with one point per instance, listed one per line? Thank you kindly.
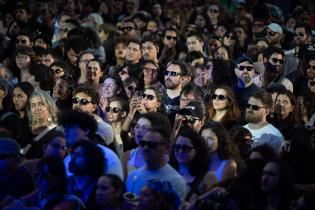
(271, 50)
(200, 162)
(266, 151)
(160, 97)
(222, 72)
(183, 67)
(94, 157)
(88, 90)
(264, 97)
(101, 68)
(170, 29)
(76, 44)
(62, 64)
(307, 28)
(117, 184)
(151, 38)
(51, 135)
(196, 34)
(134, 40)
(26, 87)
(26, 33)
(44, 75)
(123, 103)
(194, 89)
(119, 84)
(121, 39)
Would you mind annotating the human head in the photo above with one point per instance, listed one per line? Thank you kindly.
(302, 34)
(133, 53)
(94, 71)
(193, 114)
(54, 144)
(73, 48)
(117, 109)
(273, 59)
(113, 86)
(129, 28)
(150, 47)
(60, 68)
(194, 42)
(190, 92)
(85, 98)
(244, 70)
(170, 37)
(274, 34)
(150, 72)
(63, 87)
(24, 38)
(21, 93)
(174, 74)
(22, 12)
(153, 99)
(24, 56)
(285, 104)
(120, 46)
(83, 59)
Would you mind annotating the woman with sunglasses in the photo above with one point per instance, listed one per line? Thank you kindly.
(190, 157)
(223, 107)
(153, 100)
(223, 152)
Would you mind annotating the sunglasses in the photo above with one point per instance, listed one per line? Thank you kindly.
(127, 28)
(219, 97)
(150, 144)
(112, 109)
(312, 83)
(130, 87)
(248, 68)
(213, 10)
(276, 60)
(270, 33)
(58, 71)
(311, 67)
(21, 41)
(254, 107)
(299, 34)
(172, 73)
(229, 36)
(148, 96)
(58, 146)
(171, 37)
(82, 101)
(183, 147)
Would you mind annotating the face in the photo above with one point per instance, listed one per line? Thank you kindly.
(114, 111)
(147, 200)
(72, 56)
(38, 109)
(78, 162)
(276, 60)
(153, 154)
(311, 69)
(22, 40)
(222, 53)
(185, 99)
(131, 89)
(172, 82)
(19, 99)
(157, 10)
(170, 39)
(40, 43)
(245, 71)
(211, 139)
(149, 51)
(141, 128)
(120, 50)
(283, 105)
(105, 192)
(270, 177)
(56, 148)
(85, 58)
(93, 71)
(184, 150)
(61, 89)
(22, 61)
(239, 34)
(48, 59)
(300, 36)
(88, 106)
(214, 44)
(150, 101)
(256, 116)
(200, 77)
(213, 11)
(149, 73)
(311, 85)
(272, 37)
(133, 53)
(152, 26)
(110, 88)
(129, 29)
(218, 103)
(194, 44)
(229, 40)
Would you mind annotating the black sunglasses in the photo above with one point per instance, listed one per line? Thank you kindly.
(130, 87)
(299, 34)
(58, 71)
(113, 109)
(150, 144)
(312, 83)
(148, 96)
(311, 67)
(82, 101)
(276, 60)
(171, 37)
(213, 10)
(22, 41)
(270, 33)
(248, 68)
(172, 73)
(183, 147)
(254, 107)
(127, 28)
(219, 97)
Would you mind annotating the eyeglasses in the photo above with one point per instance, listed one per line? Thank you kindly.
(270, 33)
(150, 144)
(112, 109)
(82, 101)
(172, 73)
(213, 10)
(276, 60)
(148, 96)
(171, 37)
(312, 83)
(219, 97)
(299, 34)
(130, 87)
(254, 107)
(248, 68)
(311, 67)
(127, 28)
(58, 146)
(183, 147)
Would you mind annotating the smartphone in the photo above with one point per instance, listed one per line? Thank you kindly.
(139, 95)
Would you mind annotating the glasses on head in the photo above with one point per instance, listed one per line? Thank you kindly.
(172, 73)
(171, 37)
(81, 101)
(270, 33)
(254, 107)
(248, 68)
(301, 34)
(150, 144)
(312, 83)
(311, 67)
(276, 60)
(219, 97)
(184, 148)
(213, 10)
(112, 109)
(58, 146)
(148, 96)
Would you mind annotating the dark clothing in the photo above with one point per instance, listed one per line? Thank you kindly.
(172, 107)
(243, 93)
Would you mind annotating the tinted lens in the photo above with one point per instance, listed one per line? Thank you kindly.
(75, 100)
(248, 68)
(213, 11)
(150, 144)
(80, 101)
(271, 33)
(275, 60)
(254, 107)
(113, 109)
(219, 97)
(184, 148)
(148, 96)
(299, 34)
(312, 83)
(171, 37)
(131, 87)
(311, 67)
(172, 73)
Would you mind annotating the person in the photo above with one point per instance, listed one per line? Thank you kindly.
(94, 73)
(222, 162)
(133, 56)
(153, 100)
(83, 59)
(168, 51)
(150, 48)
(4, 91)
(62, 91)
(274, 34)
(151, 73)
(257, 110)
(109, 192)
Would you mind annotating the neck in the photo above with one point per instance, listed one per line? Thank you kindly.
(22, 114)
(242, 84)
(81, 181)
(155, 165)
(172, 93)
(219, 114)
(183, 169)
(120, 62)
(256, 126)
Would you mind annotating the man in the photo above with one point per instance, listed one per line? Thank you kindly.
(129, 28)
(133, 56)
(150, 48)
(169, 41)
(24, 38)
(200, 76)
(49, 56)
(274, 34)
(83, 59)
(82, 126)
(86, 99)
(194, 42)
(244, 70)
(193, 115)
(154, 146)
(257, 110)
(190, 92)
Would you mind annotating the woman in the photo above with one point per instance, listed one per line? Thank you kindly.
(190, 158)
(109, 192)
(153, 100)
(42, 115)
(94, 73)
(223, 107)
(223, 53)
(213, 13)
(221, 151)
(62, 92)
(23, 58)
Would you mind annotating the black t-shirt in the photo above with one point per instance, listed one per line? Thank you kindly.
(172, 107)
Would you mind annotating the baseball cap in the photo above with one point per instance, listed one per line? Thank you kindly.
(195, 109)
(9, 147)
(275, 27)
(243, 59)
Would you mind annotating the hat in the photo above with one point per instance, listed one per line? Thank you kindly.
(9, 147)
(243, 59)
(4, 85)
(194, 108)
(275, 27)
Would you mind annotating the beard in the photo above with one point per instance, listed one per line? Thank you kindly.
(251, 117)
(171, 85)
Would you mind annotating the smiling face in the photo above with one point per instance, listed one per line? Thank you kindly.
(94, 71)
(150, 101)
(149, 73)
(115, 112)
(110, 88)
(61, 89)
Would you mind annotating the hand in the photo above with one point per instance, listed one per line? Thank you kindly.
(103, 104)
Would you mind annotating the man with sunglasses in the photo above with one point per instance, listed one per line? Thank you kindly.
(244, 88)
(274, 33)
(24, 38)
(169, 43)
(257, 110)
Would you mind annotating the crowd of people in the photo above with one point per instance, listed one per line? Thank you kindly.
(157, 104)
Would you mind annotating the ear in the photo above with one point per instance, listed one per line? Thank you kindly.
(157, 49)
(265, 60)
(94, 107)
(124, 114)
(159, 104)
(102, 73)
